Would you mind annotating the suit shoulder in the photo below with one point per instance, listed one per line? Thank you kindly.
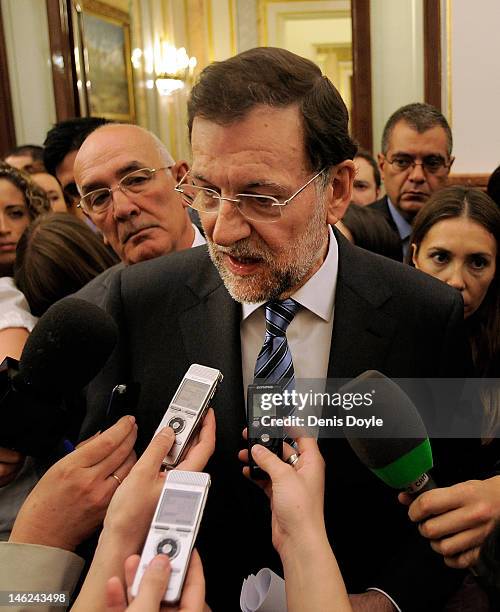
(380, 205)
(95, 291)
(402, 281)
(172, 266)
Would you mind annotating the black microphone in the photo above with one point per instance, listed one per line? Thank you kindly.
(400, 453)
(67, 348)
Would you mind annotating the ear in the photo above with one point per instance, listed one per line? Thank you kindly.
(452, 159)
(381, 163)
(179, 169)
(340, 190)
(414, 252)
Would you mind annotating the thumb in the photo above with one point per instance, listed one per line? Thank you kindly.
(405, 499)
(159, 446)
(269, 462)
(154, 583)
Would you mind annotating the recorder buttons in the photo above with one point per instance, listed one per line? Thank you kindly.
(168, 547)
(177, 424)
(265, 438)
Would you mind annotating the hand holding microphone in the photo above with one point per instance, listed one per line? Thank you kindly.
(457, 519)
(67, 348)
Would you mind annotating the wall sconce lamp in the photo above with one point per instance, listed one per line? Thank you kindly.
(172, 67)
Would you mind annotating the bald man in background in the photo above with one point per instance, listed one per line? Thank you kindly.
(126, 179)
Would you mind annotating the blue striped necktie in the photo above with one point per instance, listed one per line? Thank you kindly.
(274, 363)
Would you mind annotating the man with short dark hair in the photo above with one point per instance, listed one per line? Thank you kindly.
(366, 186)
(60, 148)
(272, 172)
(415, 162)
(26, 157)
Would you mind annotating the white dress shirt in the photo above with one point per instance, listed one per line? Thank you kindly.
(309, 335)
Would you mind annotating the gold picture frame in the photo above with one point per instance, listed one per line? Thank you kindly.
(107, 77)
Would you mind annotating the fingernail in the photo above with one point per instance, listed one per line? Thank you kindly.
(166, 431)
(257, 449)
(160, 562)
(131, 419)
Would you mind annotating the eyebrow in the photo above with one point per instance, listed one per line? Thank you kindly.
(120, 173)
(251, 185)
(14, 205)
(445, 250)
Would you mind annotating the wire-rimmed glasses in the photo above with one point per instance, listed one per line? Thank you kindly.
(253, 206)
(432, 164)
(99, 200)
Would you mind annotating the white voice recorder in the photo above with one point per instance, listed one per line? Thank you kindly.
(174, 528)
(188, 407)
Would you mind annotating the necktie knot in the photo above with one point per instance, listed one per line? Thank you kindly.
(279, 315)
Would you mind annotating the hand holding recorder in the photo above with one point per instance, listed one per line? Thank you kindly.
(154, 584)
(312, 578)
(188, 408)
(131, 510)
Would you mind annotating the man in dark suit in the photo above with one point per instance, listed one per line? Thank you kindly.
(415, 161)
(272, 170)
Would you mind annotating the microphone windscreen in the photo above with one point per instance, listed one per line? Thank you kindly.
(67, 348)
(402, 452)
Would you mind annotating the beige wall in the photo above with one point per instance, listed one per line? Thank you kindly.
(474, 82)
(30, 73)
(216, 29)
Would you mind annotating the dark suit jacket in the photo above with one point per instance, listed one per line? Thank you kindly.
(382, 206)
(175, 310)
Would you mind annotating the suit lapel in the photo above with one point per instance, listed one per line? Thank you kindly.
(210, 329)
(362, 332)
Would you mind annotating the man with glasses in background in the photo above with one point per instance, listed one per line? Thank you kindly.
(126, 179)
(415, 161)
(272, 172)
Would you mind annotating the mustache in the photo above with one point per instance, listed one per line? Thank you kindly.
(132, 231)
(244, 250)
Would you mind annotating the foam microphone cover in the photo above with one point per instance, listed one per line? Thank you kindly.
(39, 402)
(67, 348)
(400, 452)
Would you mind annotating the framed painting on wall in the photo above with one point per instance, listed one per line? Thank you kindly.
(105, 40)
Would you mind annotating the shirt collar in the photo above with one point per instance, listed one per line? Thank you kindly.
(312, 294)
(198, 238)
(404, 228)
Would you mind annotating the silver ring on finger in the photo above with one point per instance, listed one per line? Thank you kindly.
(292, 460)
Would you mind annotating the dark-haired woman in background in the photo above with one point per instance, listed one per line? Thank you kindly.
(56, 256)
(456, 238)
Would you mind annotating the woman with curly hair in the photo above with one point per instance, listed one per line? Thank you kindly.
(21, 201)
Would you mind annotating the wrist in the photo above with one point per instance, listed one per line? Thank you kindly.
(305, 544)
(30, 534)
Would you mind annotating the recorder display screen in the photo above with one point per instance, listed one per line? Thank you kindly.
(178, 507)
(262, 406)
(191, 394)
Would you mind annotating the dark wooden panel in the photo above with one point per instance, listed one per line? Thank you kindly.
(7, 129)
(469, 180)
(432, 52)
(61, 51)
(361, 119)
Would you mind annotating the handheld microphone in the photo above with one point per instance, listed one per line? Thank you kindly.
(67, 348)
(403, 456)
